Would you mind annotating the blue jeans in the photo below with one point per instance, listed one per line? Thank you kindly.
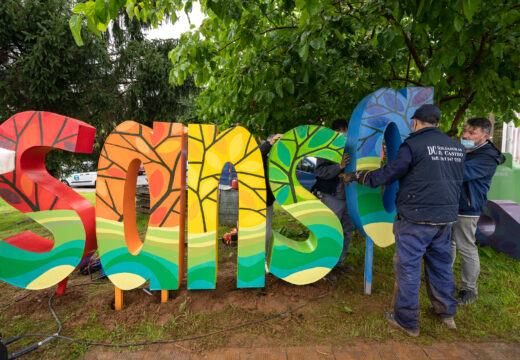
(432, 243)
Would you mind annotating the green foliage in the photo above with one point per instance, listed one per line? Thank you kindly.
(272, 65)
(106, 81)
(149, 97)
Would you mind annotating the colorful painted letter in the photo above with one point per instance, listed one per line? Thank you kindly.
(304, 262)
(499, 227)
(208, 151)
(26, 259)
(127, 261)
(383, 114)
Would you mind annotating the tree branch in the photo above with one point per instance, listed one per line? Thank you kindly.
(415, 56)
(278, 28)
(459, 114)
(409, 44)
(449, 97)
(480, 53)
(405, 80)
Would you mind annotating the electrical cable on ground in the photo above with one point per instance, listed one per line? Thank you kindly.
(144, 343)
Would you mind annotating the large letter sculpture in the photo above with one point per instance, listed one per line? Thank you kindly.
(383, 114)
(26, 259)
(499, 227)
(127, 261)
(304, 262)
(208, 151)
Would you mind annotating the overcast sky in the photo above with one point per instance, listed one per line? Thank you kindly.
(168, 31)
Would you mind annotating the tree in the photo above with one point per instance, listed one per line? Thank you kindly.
(106, 81)
(40, 66)
(143, 67)
(275, 64)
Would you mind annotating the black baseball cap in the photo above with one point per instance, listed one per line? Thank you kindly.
(427, 113)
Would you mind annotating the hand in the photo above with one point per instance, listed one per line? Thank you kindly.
(358, 176)
(275, 138)
(344, 161)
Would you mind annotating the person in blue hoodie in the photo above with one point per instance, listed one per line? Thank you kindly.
(482, 159)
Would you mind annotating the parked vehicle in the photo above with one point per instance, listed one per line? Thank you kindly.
(306, 172)
(89, 178)
(227, 176)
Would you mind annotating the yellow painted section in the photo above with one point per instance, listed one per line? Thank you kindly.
(208, 151)
(307, 276)
(381, 233)
(50, 277)
(368, 163)
(126, 281)
(64, 218)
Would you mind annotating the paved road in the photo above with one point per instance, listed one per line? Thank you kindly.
(360, 350)
(84, 189)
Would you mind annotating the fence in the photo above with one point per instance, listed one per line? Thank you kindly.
(511, 140)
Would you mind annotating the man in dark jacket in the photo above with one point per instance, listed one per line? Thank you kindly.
(330, 189)
(482, 159)
(265, 147)
(429, 167)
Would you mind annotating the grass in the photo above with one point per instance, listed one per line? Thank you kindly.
(343, 317)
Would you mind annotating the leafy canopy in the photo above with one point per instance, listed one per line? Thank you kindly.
(275, 64)
(108, 80)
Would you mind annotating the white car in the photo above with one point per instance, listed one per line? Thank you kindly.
(81, 179)
(89, 178)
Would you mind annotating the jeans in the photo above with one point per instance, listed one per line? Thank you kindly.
(463, 239)
(415, 242)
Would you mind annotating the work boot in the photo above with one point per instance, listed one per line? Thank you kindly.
(330, 277)
(392, 321)
(466, 297)
(344, 268)
(446, 320)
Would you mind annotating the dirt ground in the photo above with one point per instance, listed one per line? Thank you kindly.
(85, 299)
(312, 321)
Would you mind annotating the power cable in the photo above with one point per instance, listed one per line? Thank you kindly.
(57, 335)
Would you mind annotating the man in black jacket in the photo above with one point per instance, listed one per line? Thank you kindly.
(265, 147)
(330, 189)
(429, 167)
(482, 159)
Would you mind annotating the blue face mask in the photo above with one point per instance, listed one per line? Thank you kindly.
(468, 144)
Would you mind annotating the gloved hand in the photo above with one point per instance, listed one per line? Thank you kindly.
(344, 161)
(358, 176)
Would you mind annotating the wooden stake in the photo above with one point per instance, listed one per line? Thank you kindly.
(118, 298)
(164, 296)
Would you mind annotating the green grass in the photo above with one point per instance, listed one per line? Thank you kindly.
(343, 317)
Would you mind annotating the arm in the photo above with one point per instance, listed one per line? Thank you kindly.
(265, 147)
(392, 171)
(327, 170)
(479, 168)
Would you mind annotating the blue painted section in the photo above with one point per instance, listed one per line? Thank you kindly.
(384, 114)
(369, 258)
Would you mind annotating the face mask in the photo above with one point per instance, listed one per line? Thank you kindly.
(468, 144)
